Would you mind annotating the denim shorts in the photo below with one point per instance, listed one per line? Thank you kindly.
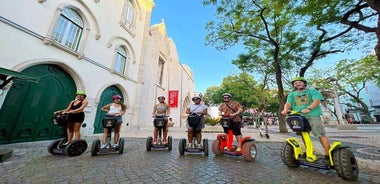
(317, 128)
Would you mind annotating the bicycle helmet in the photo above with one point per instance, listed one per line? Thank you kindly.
(114, 97)
(227, 94)
(160, 97)
(81, 93)
(299, 79)
(196, 97)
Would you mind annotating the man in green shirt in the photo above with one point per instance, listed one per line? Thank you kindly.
(306, 101)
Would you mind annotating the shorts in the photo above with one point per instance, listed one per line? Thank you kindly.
(119, 119)
(199, 127)
(76, 117)
(235, 127)
(317, 128)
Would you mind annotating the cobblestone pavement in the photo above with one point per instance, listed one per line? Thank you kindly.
(31, 163)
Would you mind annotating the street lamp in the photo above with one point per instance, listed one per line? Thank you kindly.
(338, 107)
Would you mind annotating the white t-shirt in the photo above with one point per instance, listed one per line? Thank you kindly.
(196, 108)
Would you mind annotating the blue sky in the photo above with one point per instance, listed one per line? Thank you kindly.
(185, 23)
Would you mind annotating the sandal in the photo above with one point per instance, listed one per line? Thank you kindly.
(154, 141)
(164, 141)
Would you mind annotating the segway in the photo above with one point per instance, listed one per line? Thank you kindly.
(159, 122)
(108, 122)
(340, 157)
(221, 146)
(193, 120)
(59, 147)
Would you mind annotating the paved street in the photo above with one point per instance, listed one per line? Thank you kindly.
(31, 163)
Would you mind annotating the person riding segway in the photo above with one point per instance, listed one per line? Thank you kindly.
(195, 124)
(112, 121)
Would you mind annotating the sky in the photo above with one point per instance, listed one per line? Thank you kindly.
(185, 24)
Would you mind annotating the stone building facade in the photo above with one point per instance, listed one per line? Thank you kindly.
(99, 46)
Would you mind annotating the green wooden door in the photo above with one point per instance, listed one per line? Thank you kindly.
(105, 98)
(28, 107)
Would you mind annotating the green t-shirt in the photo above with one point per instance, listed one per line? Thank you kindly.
(302, 100)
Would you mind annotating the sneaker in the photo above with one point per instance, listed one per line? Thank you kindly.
(115, 145)
(199, 146)
(189, 145)
(326, 160)
(154, 141)
(103, 146)
(226, 148)
(238, 150)
(65, 144)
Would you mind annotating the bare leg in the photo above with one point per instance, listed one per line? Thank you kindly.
(165, 135)
(105, 133)
(190, 135)
(77, 130)
(199, 136)
(325, 144)
(155, 134)
(116, 135)
(238, 139)
(70, 132)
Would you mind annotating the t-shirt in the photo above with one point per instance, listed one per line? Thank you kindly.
(197, 108)
(302, 100)
(226, 110)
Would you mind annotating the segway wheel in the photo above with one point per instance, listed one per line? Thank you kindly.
(346, 164)
(149, 143)
(53, 146)
(76, 147)
(170, 143)
(216, 148)
(205, 147)
(121, 145)
(249, 151)
(95, 146)
(181, 146)
(287, 155)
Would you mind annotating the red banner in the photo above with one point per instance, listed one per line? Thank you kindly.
(173, 98)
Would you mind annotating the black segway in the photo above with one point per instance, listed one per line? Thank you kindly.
(194, 120)
(108, 122)
(59, 147)
(159, 122)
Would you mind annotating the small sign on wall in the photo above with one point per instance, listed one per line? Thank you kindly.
(173, 98)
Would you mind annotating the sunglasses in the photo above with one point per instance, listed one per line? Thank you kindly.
(226, 97)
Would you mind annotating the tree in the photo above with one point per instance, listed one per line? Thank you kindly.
(243, 89)
(279, 37)
(352, 80)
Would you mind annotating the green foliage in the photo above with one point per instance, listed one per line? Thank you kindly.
(212, 120)
(245, 90)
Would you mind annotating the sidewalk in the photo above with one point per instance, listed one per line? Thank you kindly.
(364, 141)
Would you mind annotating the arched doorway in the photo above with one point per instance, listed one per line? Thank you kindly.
(105, 98)
(28, 107)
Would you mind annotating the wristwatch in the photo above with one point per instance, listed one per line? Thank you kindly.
(309, 108)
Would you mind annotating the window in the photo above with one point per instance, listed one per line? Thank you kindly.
(160, 71)
(69, 28)
(120, 60)
(129, 14)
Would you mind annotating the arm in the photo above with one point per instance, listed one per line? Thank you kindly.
(287, 106)
(187, 110)
(154, 111)
(167, 110)
(311, 106)
(106, 108)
